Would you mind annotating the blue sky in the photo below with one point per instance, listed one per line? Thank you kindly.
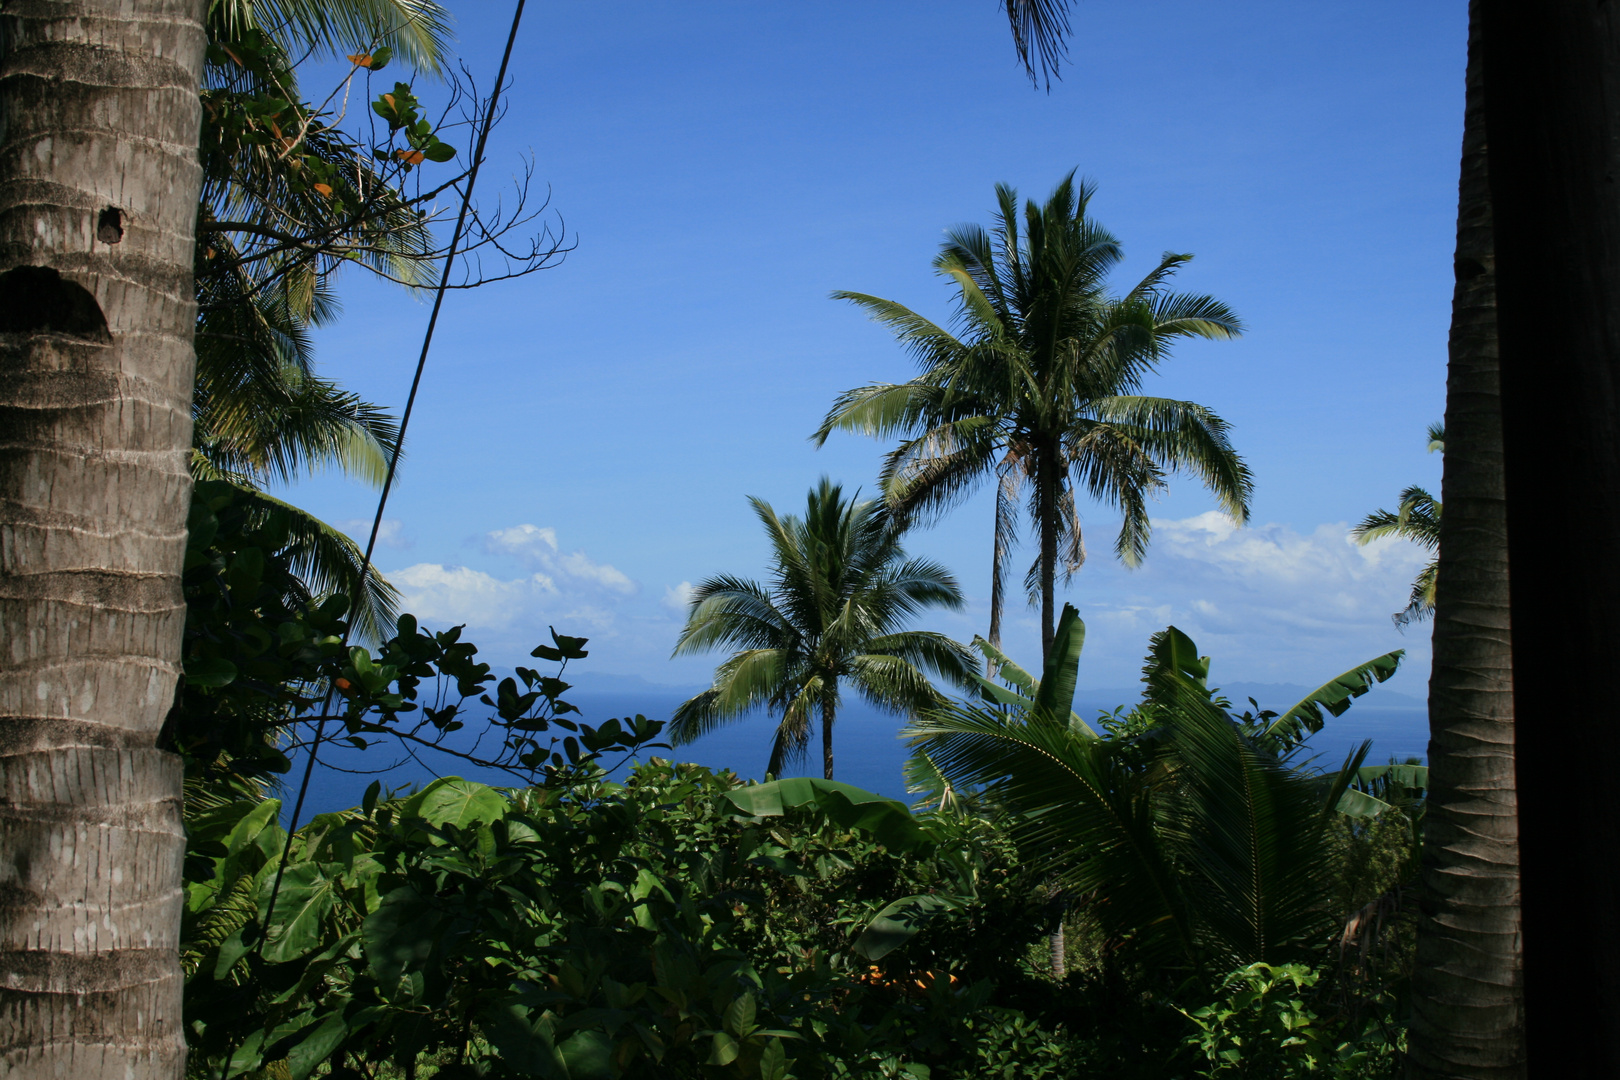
(586, 437)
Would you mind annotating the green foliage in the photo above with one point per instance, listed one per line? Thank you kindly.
(1263, 1025)
(1196, 839)
(583, 928)
(677, 923)
(262, 658)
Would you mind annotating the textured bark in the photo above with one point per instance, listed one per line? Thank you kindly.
(1553, 118)
(1468, 1008)
(99, 180)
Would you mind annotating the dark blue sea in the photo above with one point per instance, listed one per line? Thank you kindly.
(867, 750)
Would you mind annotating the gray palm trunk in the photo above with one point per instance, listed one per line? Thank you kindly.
(1468, 999)
(99, 182)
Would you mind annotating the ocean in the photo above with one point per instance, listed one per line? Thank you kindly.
(867, 751)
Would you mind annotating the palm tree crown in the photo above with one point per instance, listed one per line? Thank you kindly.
(842, 589)
(1416, 518)
(1041, 389)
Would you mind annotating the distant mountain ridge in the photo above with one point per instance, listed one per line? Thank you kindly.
(600, 682)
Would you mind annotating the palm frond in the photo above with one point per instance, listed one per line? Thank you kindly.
(749, 680)
(1039, 28)
(1082, 813)
(1253, 829)
(329, 562)
(418, 30)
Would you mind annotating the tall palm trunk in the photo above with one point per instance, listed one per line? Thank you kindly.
(99, 180)
(998, 585)
(1553, 115)
(1468, 1009)
(829, 706)
(1050, 480)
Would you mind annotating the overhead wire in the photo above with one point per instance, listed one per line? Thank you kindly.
(393, 459)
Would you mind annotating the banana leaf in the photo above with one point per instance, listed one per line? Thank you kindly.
(1305, 717)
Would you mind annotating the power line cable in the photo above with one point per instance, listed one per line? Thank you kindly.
(393, 459)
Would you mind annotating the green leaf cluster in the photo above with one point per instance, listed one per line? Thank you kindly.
(675, 924)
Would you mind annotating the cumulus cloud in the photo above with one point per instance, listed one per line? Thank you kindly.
(537, 548)
(1268, 603)
(442, 595)
(390, 534)
(505, 615)
(679, 597)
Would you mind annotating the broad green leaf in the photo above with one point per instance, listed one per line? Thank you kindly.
(258, 829)
(739, 1017)
(1171, 651)
(1055, 698)
(773, 1063)
(214, 671)
(308, 1054)
(725, 1049)
(588, 1054)
(1006, 670)
(231, 950)
(450, 800)
(523, 1039)
(1412, 776)
(1358, 804)
(996, 694)
(305, 899)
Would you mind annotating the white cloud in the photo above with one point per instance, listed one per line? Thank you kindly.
(537, 548)
(1267, 603)
(506, 616)
(679, 597)
(442, 595)
(390, 534)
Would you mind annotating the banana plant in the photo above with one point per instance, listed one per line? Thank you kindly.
(1053, 693)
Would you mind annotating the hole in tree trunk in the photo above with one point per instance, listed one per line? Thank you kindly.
(110, 225)
(35, 299)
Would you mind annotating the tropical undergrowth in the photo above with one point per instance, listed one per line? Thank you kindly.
(611, 913)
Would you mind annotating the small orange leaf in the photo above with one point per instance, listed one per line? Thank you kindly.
(324, 189)
(344, 684)
(390, 99)
(361, 60)
(411, 157)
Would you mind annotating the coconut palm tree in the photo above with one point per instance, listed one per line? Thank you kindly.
(842, 590)
(1415, 518)
(1041, 390)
